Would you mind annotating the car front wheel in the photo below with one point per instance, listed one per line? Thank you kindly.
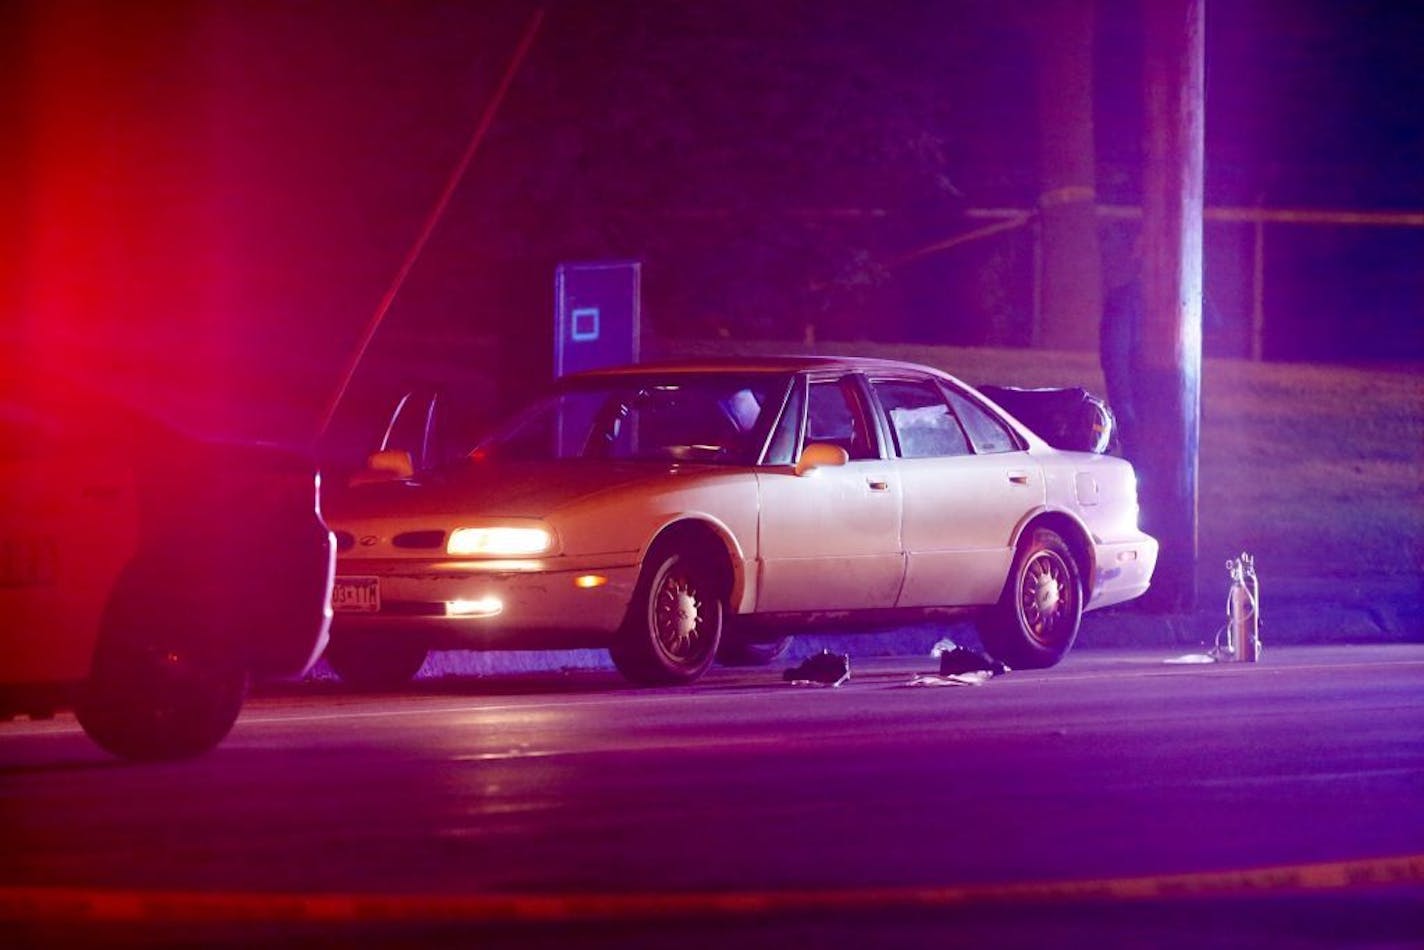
(1038, 615)
(157, 691)
(674, 623)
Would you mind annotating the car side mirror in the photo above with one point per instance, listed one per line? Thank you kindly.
(819, 455)
(387, 465)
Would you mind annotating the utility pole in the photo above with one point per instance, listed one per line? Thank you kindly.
(1170, 357)
(1070, 269)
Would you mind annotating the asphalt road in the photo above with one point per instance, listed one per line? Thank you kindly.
(1274, 803)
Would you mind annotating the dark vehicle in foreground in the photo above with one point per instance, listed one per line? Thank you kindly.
(679, 513)
(146, 575)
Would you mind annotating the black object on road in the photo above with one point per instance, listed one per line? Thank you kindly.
(822, 669)
(960, 660)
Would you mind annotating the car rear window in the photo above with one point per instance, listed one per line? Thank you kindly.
(988, 435)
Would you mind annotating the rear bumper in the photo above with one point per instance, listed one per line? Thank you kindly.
(1124, 571)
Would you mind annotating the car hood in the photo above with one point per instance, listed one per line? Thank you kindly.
(495, 489)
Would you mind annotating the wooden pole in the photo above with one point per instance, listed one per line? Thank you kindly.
(1170, 353)
(1069, 268)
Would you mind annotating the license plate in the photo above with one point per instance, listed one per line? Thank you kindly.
(356, 595)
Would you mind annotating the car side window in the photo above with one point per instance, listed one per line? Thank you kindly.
(920, 421)
(987, 434)
(782, 450)
(834, 414)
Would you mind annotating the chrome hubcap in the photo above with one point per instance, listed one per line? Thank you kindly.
(678, 616)
(1045, 597)
(686, 620)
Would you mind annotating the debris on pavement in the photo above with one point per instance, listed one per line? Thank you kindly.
(971, 678)
(822, 669)
(1188, 659)
(955, 659)
(959, 666)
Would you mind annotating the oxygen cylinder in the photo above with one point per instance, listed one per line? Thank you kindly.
(1243, 610)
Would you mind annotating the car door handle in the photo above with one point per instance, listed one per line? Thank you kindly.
(1019, 478)
(877, 484)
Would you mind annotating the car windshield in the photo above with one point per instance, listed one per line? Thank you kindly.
(701, 417)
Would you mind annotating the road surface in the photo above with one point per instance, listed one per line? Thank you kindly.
(1115, 791)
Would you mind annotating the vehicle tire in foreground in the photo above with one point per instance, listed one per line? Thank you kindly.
(1038, 615)
(735, 652)
(374, 662)
(156, 691)
(674, 623)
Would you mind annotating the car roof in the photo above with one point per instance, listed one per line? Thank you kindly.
(762, 364)
(788, 364)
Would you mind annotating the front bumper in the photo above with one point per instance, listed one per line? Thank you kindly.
(474, 605)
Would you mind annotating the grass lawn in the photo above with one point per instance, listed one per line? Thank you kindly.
(1316, 470)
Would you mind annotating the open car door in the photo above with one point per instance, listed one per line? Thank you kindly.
(411, 442)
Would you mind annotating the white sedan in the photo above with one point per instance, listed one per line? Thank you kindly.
(676, 511)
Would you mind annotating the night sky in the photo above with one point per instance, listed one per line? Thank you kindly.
(238, 182)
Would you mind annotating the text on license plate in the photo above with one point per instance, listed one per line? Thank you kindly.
(356, 595)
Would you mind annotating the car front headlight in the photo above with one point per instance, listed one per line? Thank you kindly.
(499, 542)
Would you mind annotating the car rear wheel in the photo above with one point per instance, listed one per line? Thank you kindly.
(674, 623)
(369, 662)
(1038, 615)
(158, 690)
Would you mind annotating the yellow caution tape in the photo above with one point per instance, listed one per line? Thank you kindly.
(1067, 195)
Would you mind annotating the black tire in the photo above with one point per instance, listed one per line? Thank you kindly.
(375, 662)
(1038, 615)
(674, 623)
(154, 693)
(736, 652)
